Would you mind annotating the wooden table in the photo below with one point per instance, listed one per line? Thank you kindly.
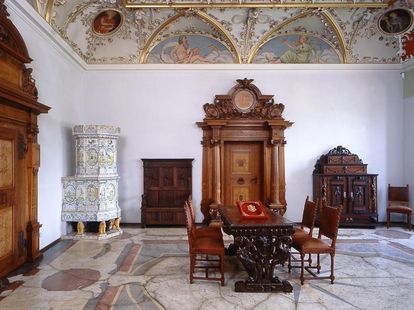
(261, 245)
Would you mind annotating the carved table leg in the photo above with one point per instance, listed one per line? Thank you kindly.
(259, 255)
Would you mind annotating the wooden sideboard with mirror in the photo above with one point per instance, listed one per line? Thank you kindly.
(19, 150)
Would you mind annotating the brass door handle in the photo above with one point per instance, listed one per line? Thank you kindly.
(253, 180)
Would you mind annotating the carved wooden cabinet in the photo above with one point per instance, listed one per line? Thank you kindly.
(167, 184)
(19, 151)
(341, 178)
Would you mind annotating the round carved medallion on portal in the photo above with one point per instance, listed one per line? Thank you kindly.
(244, 100)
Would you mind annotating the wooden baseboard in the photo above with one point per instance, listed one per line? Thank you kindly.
(44, 249)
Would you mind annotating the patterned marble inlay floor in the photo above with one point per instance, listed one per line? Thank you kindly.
(148, 269)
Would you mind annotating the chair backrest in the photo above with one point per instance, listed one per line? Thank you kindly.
(189, 224)
(329, 223)
(398, 193)
(190, 204)
(309, 214)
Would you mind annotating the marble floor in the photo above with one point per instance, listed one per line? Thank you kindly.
(148, 269)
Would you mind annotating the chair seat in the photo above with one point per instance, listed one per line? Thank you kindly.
(211, 232)
(208, 246)
(313, 245)
(399, 209)
(300, 234)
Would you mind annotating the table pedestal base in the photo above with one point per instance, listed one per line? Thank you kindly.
(275, 286)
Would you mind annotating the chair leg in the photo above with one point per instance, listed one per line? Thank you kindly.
(222, 269)
(318, 264)
(388, 219)
(302, 267)
(290, 263)
(332, 269)
(409, 220)
(192, 264)
(310, 259)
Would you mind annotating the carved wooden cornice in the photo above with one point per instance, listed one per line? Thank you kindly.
(244, 101)
(22, 90)
(3, 9)
(339, 150)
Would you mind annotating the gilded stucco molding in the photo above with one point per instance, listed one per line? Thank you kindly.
(198, 4)
(339, 34)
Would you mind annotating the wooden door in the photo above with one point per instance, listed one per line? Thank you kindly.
(12, 251)
(243, 162)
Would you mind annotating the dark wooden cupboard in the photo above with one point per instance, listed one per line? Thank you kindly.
(167, 184)
(341, 178)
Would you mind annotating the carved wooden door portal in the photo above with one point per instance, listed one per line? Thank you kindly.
(243, 150)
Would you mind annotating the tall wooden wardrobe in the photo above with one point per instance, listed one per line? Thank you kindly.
(19, 150)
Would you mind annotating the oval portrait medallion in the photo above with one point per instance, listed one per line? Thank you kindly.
(107, 22)
(395, 21)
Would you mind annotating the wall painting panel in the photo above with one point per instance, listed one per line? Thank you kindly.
(190, 49)
(296, 48)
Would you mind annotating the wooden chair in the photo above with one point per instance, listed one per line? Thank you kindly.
(308, 221)
(328, 227)
(306, 227)
(398, 202)
(201, 249)
(214, 232)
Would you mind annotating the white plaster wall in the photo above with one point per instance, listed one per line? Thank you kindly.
(157, 110)
(408, 135)
(59, 82)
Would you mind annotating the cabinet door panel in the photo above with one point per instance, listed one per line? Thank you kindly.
(166, 198)
(152, 198)
(180, 197)
(151, 178)
(167, 177)
(11, 215)
(181, 177)
(337, 191)
(359, 194)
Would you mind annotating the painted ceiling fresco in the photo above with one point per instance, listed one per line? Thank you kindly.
(230, 31)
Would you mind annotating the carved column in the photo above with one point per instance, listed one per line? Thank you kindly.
(33, 165)
(217, 184)
(206, 191)
(274, 190)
